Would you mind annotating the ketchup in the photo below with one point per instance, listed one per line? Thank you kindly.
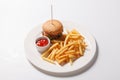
(42, 42)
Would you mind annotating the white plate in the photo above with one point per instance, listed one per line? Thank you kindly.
(34, 56)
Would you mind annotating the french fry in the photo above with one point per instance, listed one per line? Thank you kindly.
(66, 39)
(70, 51)
(53, 46)
(62, 56)
(68, 48)
(56, 41)
(72, 56)
(45, 54)
(74, 31)
(48, 60)
(62, 61)
(49, 55)
(61, 52)
(74, 34)
(53, 54)
(71, 47)
(80, 50)
(75, 37)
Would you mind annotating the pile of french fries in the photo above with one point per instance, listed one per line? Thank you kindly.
(67, 50)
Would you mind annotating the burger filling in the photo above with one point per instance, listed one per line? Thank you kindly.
(52, 36)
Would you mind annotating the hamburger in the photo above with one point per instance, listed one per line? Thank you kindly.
(52, 29)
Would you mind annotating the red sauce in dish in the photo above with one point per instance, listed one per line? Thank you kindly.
(42, 42)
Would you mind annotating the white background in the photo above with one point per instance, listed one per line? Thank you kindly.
(18, 17)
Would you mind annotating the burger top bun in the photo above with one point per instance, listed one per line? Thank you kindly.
(52, 27)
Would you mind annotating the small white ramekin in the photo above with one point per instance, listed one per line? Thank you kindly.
(41, 49)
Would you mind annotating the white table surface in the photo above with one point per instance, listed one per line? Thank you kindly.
(18, 17)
